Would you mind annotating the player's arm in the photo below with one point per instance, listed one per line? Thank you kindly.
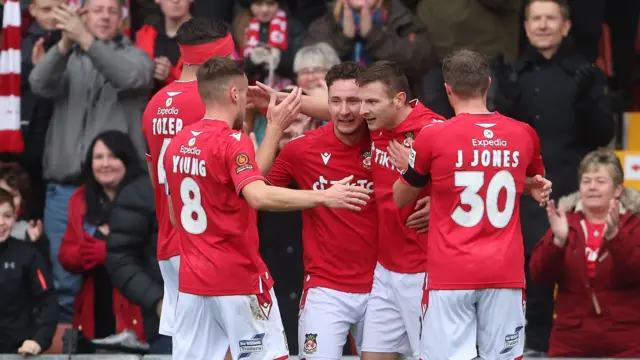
(248, 181)
(316, 107)
(408, 187)
(536, 185)
(271, 198)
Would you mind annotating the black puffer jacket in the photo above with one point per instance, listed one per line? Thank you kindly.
(131, 251)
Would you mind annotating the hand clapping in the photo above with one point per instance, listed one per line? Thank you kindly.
(612, 220)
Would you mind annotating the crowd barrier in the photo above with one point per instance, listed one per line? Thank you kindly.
(158, 357)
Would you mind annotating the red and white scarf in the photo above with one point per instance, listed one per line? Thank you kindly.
(10, 135)
(277, 33)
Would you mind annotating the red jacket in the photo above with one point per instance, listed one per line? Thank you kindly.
(128, 315)
(146, 40)
(603, 319)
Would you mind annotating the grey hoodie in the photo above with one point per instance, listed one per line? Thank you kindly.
(104, 88)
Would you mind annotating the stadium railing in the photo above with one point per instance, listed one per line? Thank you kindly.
(157, 357)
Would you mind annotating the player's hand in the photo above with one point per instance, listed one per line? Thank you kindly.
(257, 97)
(558, 223)
(540, 189)
(612, 220)
(283, 114)
(420, 219)
(399, 155)
(29, 347)
(344, 196)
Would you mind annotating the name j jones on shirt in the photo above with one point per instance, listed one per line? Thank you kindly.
(188, 164)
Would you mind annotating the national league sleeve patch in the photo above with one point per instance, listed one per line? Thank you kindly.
(242, 163)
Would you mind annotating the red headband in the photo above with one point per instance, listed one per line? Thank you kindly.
(198, 54)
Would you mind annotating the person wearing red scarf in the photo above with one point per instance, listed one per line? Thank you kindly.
(272, 40)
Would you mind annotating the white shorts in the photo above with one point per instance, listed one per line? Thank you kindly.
(456, 321)
(392, 319)
(169, 269)
(325, 319)
(250, 325)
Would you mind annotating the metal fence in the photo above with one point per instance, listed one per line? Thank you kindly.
(158, 357)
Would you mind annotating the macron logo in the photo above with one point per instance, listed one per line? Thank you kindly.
(325, 157)
(173, 93)
(236, 136)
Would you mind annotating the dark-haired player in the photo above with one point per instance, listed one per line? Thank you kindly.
(392, 324)
(214, 184)
(478, 164)
(340, 246)
(172, 108)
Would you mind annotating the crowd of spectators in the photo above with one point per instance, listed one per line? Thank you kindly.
(85, 235)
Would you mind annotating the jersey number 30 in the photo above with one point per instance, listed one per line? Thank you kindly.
(192, 216)
(472, 181)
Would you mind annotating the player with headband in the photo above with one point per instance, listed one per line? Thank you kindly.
(175, 106)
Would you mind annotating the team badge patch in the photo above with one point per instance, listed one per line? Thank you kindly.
(408, 138)
(310, 343)
(242, 163)
(366, 160)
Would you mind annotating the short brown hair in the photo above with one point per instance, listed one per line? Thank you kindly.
(467, 72)
(347, 70)
(7, 198)
(606, 158)
(213, 76)
(15, 176)
(564, 7)
(388, 73)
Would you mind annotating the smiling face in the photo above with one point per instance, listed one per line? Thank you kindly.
(597, 189)
(103, 18)
(377, 107)
(264, 10)
(107, 168)
(7, 220)
(546, 25)
(344, 106)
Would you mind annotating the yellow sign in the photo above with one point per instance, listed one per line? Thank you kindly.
(631, 164)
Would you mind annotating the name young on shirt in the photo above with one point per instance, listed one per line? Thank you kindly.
(322, 181)
(189, 165)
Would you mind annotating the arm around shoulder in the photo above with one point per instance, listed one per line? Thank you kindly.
(260, 196)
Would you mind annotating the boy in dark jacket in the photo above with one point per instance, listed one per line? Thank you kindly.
(28, 305)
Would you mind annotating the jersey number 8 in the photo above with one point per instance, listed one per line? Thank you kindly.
(192, 216)
(472, 181)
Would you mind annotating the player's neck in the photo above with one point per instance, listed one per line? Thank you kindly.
(188, 73)
(471, 106)
(222, 113)
(171, 25)
(402, 115)
(351, 139)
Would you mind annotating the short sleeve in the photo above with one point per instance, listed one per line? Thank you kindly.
(536, 166)
(281, 173)
(241, 163)
(420, 156)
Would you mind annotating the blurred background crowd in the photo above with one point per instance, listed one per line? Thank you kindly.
(77, 224)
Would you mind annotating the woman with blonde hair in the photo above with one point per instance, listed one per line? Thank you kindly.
(592, 253)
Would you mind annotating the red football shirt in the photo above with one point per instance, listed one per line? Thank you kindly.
(340, 246)
(207, 166)
(170, 109)
(401, 249)
(595, 238)
(477, 165)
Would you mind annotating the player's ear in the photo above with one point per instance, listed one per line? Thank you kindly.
(400, 99)
(233, 94)
(447, 87)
